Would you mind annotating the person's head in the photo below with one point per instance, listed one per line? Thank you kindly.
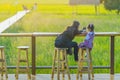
(75, 24)
(35, 3)
(90, 27)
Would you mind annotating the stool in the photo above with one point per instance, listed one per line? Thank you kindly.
(3, 67)
(85, 57)
(60, 63)
(20, 60)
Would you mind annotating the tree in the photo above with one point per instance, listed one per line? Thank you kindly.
(112, 5)
(101, 1)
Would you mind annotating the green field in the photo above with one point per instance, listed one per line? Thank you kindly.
(55, 18)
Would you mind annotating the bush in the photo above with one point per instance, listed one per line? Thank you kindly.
(112, 5)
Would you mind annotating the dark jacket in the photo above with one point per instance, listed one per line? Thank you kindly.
(67, 36)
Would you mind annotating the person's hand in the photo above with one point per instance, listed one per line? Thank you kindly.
(84, 29)
(84, 33)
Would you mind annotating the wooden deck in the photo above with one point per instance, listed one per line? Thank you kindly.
(73, 77)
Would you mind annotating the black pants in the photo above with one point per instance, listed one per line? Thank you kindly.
(69, 45)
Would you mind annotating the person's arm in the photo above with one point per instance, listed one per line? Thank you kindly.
(76, 31)
(79, 32)
(87, 37)
(84, 33)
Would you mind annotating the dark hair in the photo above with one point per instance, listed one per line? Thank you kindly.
(75, 24)
(91, 26)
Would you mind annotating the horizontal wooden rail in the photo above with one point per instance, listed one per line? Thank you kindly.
(50, 67)
(16, 34)
(49, 34)
(45, 34)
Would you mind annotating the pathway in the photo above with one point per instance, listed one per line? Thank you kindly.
(8, 22)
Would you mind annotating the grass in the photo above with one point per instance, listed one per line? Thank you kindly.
(47, 18)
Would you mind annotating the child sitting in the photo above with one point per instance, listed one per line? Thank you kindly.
(88, 42)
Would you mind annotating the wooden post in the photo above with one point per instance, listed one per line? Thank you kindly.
(112, 56)
(33, 55)
(96, 9)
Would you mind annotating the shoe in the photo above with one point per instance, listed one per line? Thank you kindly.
(69, 51)
(76, 60)
(85, 54)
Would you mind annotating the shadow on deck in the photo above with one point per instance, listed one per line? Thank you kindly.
(73, 77)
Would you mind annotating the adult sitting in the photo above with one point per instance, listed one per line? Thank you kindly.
(64, 40)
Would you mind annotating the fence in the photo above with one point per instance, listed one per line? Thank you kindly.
(39, 34)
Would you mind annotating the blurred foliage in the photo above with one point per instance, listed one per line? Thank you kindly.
(112, 5)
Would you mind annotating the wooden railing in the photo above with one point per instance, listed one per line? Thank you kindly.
(41, 34)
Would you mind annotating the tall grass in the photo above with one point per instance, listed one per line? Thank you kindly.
(40, 21)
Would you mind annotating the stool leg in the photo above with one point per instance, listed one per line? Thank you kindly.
(88, 58)
(28, 69)
(91, 66)
(81, 63)
(0, 63)
(2, 67)
(65, 53)
(77, 76)
(63, 64)
(58, 66)
(17, 68)
(5, 64)
(89, 63)
(53, 66)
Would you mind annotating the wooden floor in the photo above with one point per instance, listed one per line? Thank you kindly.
(73, 77)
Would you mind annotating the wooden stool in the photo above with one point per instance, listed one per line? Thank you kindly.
(85, 57)
(27, 70)
(3, 67)
(60, 63)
